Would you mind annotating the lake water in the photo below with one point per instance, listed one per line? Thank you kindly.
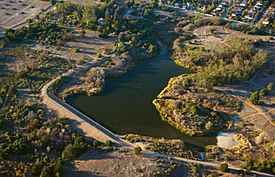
(125, 106)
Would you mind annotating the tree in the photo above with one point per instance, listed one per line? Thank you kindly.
(137, 150)
(224, 167)
(269, 86)
(68, 152)
(95, 143)
(194, 109)
(263, 92)
(89, 15)
(76, 50)
(37, 167)
(108, 143)
(208, 125)
(254, 98)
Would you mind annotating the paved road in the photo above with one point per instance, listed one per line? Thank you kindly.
(208, 164)
(204, 15)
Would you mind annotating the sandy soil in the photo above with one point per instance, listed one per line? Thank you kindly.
(227, 140)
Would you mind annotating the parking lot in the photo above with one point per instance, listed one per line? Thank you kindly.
(15, 12)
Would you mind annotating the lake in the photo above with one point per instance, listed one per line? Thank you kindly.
(125, 106)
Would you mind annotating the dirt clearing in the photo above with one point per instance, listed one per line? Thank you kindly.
(119, 163)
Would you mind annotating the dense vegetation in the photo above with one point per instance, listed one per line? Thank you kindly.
(133, 35)
(42, 31)
(263, 166)
(232, 62)
(191, 109)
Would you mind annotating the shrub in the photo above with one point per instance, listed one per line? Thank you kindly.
(95, 143)
(263, 92)
(137, 150)
(76, 50)
(269, 86)
(37, 167)
(73, 151)
(209, 125)
(68, 152)
(194, 109)
(108, 143)
(224, 167)
(254, 98)
(98, 55)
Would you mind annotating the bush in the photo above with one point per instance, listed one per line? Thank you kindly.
(68, 152)
(98, 55)
(137, 150)
(254, 98)
(76, 50)
(224, 167)
(95, 143)
(269, 86)
(108, 143)
(263, 92)
(194, 109)
(73, 151)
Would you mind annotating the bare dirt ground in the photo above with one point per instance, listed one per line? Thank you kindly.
(89, 46)
(212, 36)
(121, 162)
(14, 12)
